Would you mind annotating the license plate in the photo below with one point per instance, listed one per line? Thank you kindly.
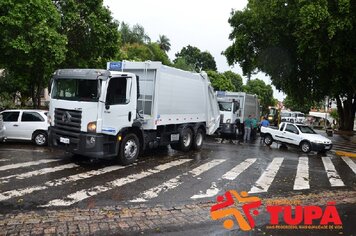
(64, 140)
(174, 137)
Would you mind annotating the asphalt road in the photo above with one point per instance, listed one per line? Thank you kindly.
(33, 178)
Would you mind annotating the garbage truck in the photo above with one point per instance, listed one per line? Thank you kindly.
(129, 107)
(234, 108)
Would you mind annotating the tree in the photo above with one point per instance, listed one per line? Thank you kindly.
(200, 60)
(236, 80)
(92, 33)
(164, 43)
(220, 82)
(263, 91)
(181, 63)
(30, 44)
(307, 47)
(296, 106)
(144, 52)
(136, 34)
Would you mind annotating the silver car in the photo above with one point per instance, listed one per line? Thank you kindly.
(29, 125)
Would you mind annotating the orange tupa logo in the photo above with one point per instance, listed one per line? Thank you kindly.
(225, 207)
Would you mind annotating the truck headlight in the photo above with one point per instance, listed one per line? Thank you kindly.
(91, 127)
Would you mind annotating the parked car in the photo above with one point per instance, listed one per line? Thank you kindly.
(298, 135)
(26, 125)
(2, 129)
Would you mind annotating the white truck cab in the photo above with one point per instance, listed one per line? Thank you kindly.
(130, 107)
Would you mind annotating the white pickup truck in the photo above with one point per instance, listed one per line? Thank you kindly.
(298, 135)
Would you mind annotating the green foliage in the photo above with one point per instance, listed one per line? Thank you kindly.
(92, 33)
(200, 60)
(164, 43)
(30, 45)
(220, 82)
(182, 64)
(295, 105)
(263, 91)
(144, 52)
(236, 80)
(136, 34)
(307, 47)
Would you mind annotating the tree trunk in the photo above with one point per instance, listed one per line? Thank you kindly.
(346, 110)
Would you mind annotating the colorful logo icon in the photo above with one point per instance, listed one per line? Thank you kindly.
(225, 207)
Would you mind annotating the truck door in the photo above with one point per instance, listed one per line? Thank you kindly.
(291, 134)
(119, 107)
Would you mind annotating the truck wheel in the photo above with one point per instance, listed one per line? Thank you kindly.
(129, 149)
(305, 147)
(198, 139)
(40, 138)
(186, 139)
(268, 139)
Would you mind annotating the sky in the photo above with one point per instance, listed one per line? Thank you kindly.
(200, 23)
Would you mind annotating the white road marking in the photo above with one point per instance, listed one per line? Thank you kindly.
(26, 164)
(57, 182)
(43, 171)
(237, 170)
(201, 169)
(333, 176)
(210, 192)
(350, 163)
(86, 193)
(4, 160)
(266, 179)
(230, 175)
(175, 182)
(302, 177)
(22, 150)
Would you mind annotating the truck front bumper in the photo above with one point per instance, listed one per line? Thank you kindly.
(319, 147)
(87, 144)
(227, 128)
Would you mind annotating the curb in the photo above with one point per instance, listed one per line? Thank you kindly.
(348, 154)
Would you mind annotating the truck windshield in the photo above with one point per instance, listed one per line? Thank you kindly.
(225, 106)
(76, 89)
(306, 129)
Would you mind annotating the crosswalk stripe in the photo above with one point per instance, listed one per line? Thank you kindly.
(333, 176)
(175, 182)
(57, 182)
(201, 169)
(43, 171)
(86, 193)
(26, 164)
(230, 175)
(237, 170)
(350, 163)
(302, 178)
(266, 179)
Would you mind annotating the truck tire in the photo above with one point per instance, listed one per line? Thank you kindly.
(268, 140)
(198, 139)
(129, 149)
(305, 146)
(186, 139)
(40, 138)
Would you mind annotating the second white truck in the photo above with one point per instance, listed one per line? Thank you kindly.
(131, 106)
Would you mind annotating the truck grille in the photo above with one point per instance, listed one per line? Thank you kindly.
(67, 122)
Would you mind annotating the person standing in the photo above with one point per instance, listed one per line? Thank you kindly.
(264, 123)
(254, 124)
(248, 124)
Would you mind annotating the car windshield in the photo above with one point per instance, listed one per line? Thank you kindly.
(225, 106)
(306, 129)
(76, 90)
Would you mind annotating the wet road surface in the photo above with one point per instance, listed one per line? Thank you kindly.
(34, 178)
